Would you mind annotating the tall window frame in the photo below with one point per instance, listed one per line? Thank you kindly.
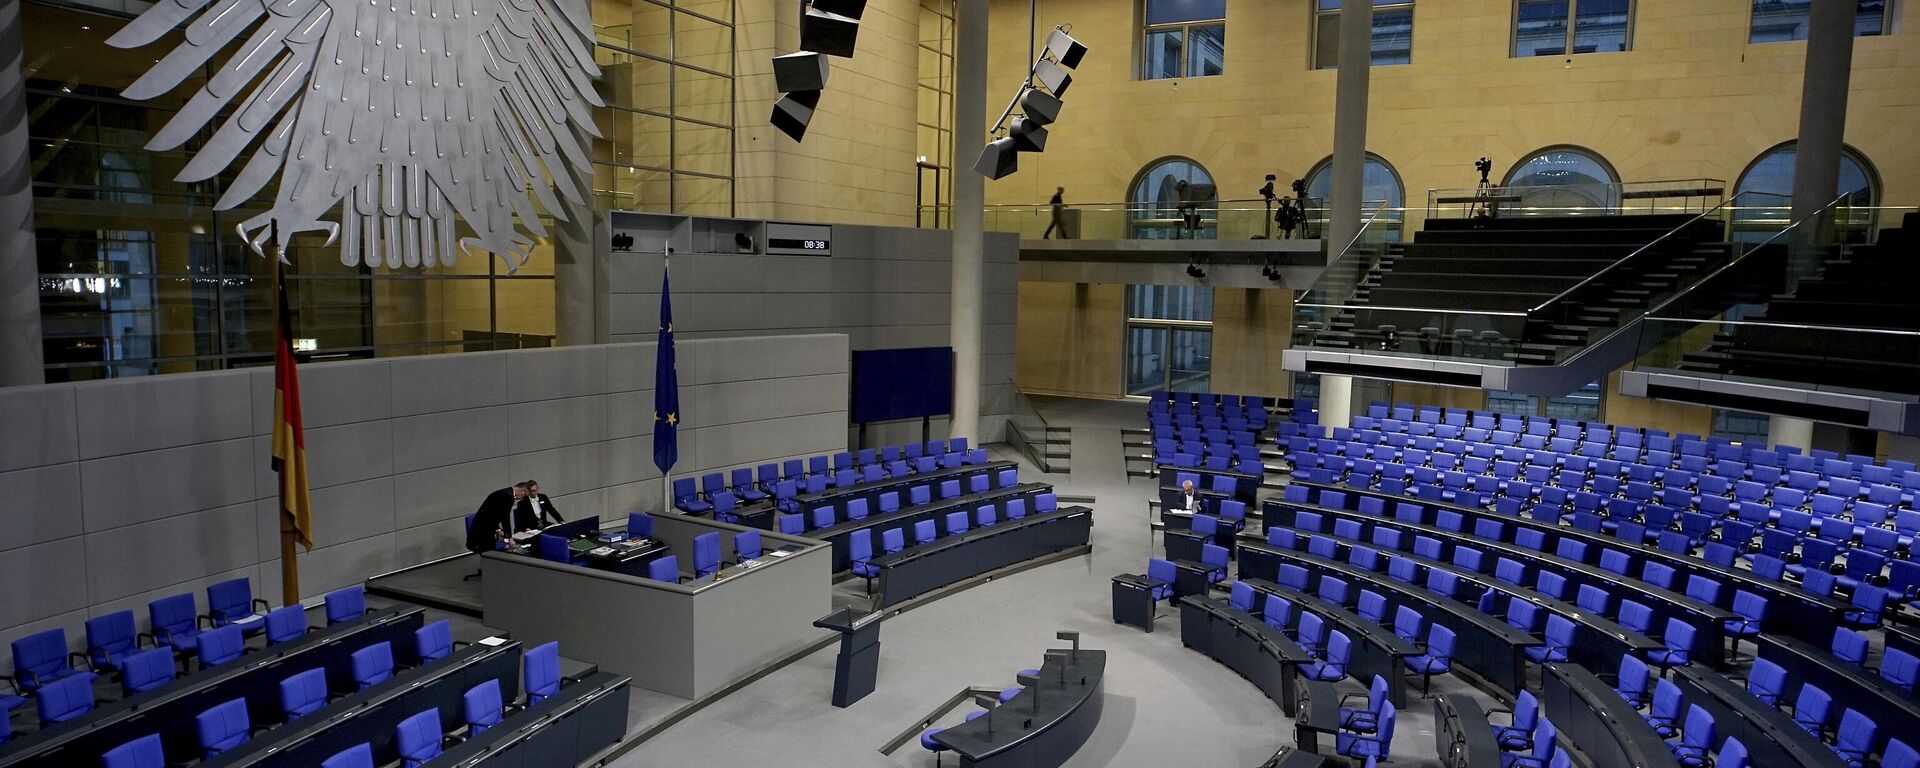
(1765, 188)
(1380, 183)
(1182, 38)
(1565, 176)
(1155, 200)
(1780, 21)
(1391, 41)
(1582, 27)
(1169, 339)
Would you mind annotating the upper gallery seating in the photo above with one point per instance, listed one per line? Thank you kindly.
(1860, 289)
(722, 493)
(1552, 281)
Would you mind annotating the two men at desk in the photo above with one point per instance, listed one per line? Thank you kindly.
(515, 509)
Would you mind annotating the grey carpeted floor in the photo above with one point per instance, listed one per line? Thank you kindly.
(1165, 705)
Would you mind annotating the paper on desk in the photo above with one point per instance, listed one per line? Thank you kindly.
(491, 641)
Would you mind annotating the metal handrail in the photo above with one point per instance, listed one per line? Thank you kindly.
(1358, 233)
(1795, 326)
(1642, 249)
(1731, 263)
(1735, 261)
(1486, 312)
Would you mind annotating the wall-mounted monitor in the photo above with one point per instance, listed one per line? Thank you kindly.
(892, 384)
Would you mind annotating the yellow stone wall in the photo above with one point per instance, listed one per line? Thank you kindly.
(1692, 99)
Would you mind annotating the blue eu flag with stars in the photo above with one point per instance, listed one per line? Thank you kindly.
(666, 388)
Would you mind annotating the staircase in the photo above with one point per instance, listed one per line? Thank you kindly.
(1864, 287)
(1518, 303)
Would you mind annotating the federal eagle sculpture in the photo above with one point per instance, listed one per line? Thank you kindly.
(403, 114)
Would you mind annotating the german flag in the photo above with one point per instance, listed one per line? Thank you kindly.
(289, 440)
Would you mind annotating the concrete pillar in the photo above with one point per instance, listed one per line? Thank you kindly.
(1823, 123)
(1350, 124)
(576, 267)
(969, 213)
(20, 344)
(1336, 400)
(1787, 430)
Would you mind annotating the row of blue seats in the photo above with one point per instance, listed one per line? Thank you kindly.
(1553, 464)
(61, 682)
(1874, 575)
(1829, 464)
(1650, 523)
(889, 502)
(706, 550)
(756, 484)
(860, 545)
(419, 737)
(1853, 738)
(1556, 632)
(717, 496)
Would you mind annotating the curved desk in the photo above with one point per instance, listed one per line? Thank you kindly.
(1375, 650)
(1597, 721)
(1769, 734)
(1245, 644)
(1043, 725)
(170, 710)
(1464, 738)
(1707, 619)
(1851, 686)
(1486, 645)
(840, 534)
(920, 569)
(1791, 611)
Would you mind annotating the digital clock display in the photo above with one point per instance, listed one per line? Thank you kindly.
(791, 239)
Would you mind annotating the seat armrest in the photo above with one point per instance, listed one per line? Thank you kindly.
(261, 605)
(152, 642)
(204, 622)
(81, 658)
(1351, 696)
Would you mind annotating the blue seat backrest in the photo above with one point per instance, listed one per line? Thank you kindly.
(433, 641)
(346, 604)
(542, 671)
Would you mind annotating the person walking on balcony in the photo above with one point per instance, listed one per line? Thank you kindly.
(1059, 205)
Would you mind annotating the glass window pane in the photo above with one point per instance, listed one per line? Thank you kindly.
(523, 313)
(1326, 40)
(1176, 11)
(1392, 37)
(1871, 19)
(1540, 28)
(1146, 360)
(1777, 20)
(1161, 192)
(1600, 26)
(1160, 55)
(1190, 357)
(1206, 50)
(702, 149)
(1565, 178)
(1169, 302)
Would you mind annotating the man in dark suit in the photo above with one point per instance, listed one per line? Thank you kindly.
(491, 520)
(534, 510)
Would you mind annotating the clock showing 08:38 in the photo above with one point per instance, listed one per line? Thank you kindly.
(799, 239)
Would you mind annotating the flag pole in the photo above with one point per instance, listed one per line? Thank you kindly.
(666, 476)
(289, 562)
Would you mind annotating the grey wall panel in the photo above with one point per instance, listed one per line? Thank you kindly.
(42, 580)
(138, 487)
(135, 558)
(426, 543)
(349, 452)
(544, 424)
(449, 382)
(450, 492)
(449, 437)
(343, 513)
(399, 451)
(43, 504)
(134, 415)
(341, 392)
(41, 426)
(566, 372)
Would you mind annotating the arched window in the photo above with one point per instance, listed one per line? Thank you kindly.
(1159, 193)
(1563, 181)
(1380, 186)
(1765, 189)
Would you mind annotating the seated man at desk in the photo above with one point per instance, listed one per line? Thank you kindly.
(1190, 501)
(534, 510)
(494, 519)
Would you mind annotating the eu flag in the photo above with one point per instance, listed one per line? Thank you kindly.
(666, 388)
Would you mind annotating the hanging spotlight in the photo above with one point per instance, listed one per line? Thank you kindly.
(1039, 103)
(827, 28)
